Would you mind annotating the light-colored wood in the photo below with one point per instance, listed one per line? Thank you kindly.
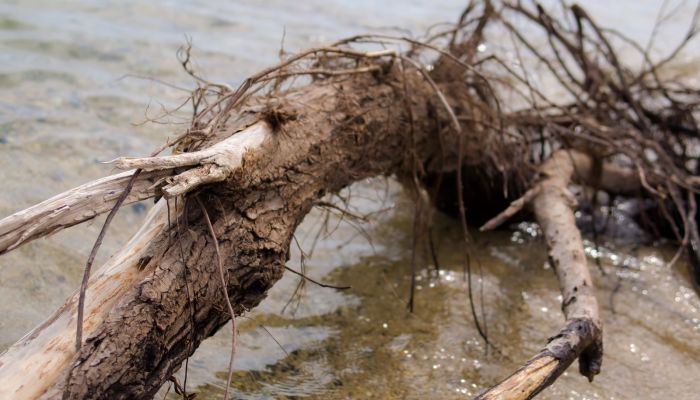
(87, 201)
(72, 207)
(32, 364)
(213, 164)
(524, 381)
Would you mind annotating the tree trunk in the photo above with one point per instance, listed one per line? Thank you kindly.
(141, 328)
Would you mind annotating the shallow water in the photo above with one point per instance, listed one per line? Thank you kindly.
(69, 98)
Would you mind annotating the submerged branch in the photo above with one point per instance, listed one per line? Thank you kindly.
(581, 336)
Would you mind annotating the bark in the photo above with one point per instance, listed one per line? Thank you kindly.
(258, 171)
(158, 298)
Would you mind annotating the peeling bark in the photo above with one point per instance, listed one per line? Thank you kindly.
(213, 164)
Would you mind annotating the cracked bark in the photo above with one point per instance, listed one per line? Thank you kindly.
(138, 328)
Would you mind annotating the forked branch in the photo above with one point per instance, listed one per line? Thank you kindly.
(85, 202)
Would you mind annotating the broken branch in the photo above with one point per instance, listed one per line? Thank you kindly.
(581, 336)
(73, 207)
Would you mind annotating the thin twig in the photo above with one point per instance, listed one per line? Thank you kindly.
(323, 285)
(224, 289)
(91, 258)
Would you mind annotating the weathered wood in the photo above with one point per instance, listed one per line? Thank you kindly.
(213, 164)
(32, 364)
(381, 113)
(155, 301)
(581, 336)
(341, 131)
(72, 207)
(87, 201)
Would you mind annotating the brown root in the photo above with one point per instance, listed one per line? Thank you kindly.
(581, 336)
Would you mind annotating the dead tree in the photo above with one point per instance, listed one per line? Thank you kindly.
(257, 158)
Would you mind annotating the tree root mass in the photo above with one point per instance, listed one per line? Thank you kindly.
(468, 134)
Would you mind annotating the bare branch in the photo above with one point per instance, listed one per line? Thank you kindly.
(73, 207)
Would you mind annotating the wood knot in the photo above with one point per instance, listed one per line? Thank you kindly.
(276, 116)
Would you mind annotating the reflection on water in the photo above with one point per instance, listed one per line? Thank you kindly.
(66, 104)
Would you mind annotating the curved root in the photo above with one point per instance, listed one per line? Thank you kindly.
(581, 336)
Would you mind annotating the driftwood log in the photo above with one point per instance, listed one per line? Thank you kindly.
(258, 158)
(139, 324)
